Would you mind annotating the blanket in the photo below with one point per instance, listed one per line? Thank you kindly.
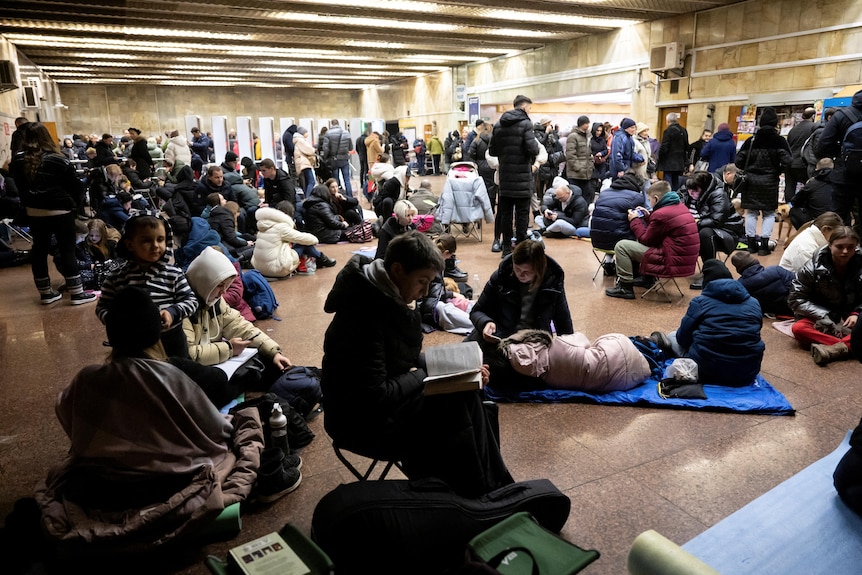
(758, 398)
(800, 526)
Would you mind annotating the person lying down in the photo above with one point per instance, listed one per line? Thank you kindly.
(610, 363)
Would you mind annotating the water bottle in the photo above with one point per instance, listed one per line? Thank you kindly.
(476, 284)
(278, 429)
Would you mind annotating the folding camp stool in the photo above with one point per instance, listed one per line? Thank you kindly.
(467, 229)
(375, 459)
(660, 286)
(17, 230)
(596, 252)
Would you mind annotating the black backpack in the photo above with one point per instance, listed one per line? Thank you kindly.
(851, 147)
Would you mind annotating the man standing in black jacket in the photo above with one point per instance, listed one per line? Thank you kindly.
(844, 190)
(798, 172)
(515, 145)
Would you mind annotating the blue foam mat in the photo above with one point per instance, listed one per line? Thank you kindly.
(759, 397)
(800, 526)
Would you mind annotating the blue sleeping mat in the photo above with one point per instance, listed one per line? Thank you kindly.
(801, 526)
(759, 397)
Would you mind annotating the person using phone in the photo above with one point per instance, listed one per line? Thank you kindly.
(564, 211)
(667, 243)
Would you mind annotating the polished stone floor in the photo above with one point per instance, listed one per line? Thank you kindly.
(625, 469)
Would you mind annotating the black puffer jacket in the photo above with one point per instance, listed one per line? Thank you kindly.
(763, 157)
(556, 153)
(54, 187)
(829, 142)
(369, 388)
(279, 189)
(476, 154)
(436, 292)
(818, 292)
(515, 145)
(222, 221)
(576, 211)
(815, 197)
(500, 302)
(599, 147)
(321, 219)
(715, 210)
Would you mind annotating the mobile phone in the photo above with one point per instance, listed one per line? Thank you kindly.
(496, 337)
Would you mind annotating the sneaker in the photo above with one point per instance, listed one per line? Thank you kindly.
(274, 454)
(696, 284)
(83, 297)
(496, 247)
(47, 298)
(274, 480)
(302, 268)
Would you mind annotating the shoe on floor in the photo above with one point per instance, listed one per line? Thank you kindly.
(496, 247)
(696, 284)
(325, 262)
(623, 290)
(662, 340)
(47, 298)
(823, 354)
(274, 481)
(83, 297)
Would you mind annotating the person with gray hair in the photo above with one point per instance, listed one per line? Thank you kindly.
(672, 151)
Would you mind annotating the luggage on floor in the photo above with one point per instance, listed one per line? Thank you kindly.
(416, 527)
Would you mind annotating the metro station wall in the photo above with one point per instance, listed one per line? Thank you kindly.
(154, 109)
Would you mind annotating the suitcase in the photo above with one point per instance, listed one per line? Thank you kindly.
(421, 526)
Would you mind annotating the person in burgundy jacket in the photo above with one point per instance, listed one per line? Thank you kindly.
(667, 243)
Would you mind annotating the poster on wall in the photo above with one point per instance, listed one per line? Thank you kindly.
(472, 110)
(8, 126)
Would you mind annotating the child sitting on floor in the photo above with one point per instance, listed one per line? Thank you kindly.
(443, 308)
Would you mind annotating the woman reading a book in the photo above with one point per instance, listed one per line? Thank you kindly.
(374, 371)
(526, 292)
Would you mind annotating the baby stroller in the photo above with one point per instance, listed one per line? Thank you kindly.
(464, 202)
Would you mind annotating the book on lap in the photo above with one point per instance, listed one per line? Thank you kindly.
(453, 367)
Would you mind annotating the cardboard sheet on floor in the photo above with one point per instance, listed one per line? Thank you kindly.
(758, 398)
(801, 526)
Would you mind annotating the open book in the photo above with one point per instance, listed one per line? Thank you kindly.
(453, 367)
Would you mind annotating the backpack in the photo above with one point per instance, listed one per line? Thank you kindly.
(807, 151)
(300, 387)
(851, 148)
(258, 294)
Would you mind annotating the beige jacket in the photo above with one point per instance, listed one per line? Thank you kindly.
(304, 155)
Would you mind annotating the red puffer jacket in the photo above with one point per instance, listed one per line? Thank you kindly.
(671, 235)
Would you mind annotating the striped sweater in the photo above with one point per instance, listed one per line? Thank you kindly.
(164, 281)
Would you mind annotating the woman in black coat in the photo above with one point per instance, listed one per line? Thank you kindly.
(599, 149)
(52, 194)
(321, 216)
(718, 224)
(763, 158)
(526, 292)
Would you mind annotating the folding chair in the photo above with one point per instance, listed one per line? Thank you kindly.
(375, 459)
(17, 230)
(659, 286)
(469, 229)
(596, 252)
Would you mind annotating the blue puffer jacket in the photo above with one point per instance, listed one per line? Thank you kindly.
(770, 286)
(721, 331)
(112, 213)
(720, 150)
(610, 221)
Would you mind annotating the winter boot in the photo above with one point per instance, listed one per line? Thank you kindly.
(823, 354)
(752, 242)
(763, 247)
(453, 271)
(623, 290)
(324, 261)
